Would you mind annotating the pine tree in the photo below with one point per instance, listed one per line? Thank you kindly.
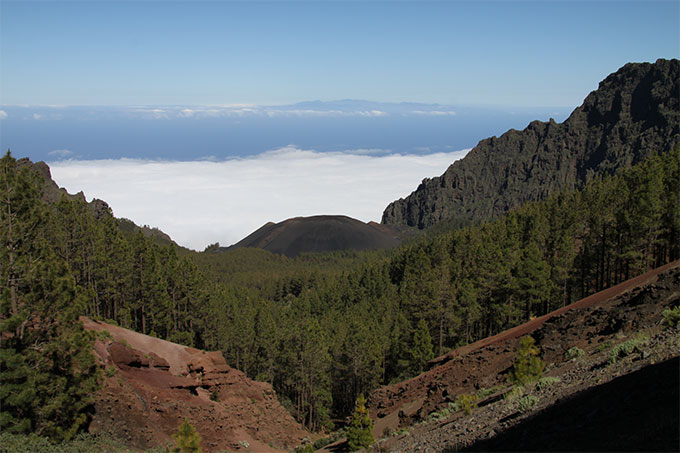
(532, 281)
(187, 440)
(360, 430)
(47, 367)
(528, 366)
(421, 349)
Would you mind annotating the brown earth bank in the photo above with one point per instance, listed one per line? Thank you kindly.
(597, 400)
(151, 386)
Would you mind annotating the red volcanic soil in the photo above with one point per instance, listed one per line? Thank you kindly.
(594, 324)
(152, 385)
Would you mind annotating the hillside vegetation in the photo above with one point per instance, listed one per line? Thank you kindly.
(323, 329)
(324, 337)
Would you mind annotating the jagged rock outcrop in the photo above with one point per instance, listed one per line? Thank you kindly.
(152, 385)
(635, 112)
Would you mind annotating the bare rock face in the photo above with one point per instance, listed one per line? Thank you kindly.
(152, 385)
(634, 113)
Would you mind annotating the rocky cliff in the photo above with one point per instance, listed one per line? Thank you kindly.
(635, 112)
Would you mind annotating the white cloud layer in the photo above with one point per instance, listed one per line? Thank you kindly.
(61, 153)
(201, 202)
(3, 115)
(434, 112)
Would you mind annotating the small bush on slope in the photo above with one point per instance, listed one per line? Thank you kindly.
(546, 382)
(187, 439)
(528, 367)
(626, 348)
(526, 403)
(671, 316)
(574, 353)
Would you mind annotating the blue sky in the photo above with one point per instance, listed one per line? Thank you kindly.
(462, 53)
(202, 108)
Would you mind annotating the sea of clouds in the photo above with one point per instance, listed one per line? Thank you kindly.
(202, 202)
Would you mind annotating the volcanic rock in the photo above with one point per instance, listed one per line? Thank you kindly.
(152, 385)
(634, 113)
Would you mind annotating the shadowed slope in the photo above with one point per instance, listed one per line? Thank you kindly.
(635, 412)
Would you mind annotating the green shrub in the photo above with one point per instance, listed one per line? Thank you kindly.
(157, 449)
(439, 414)
(214, 396)
(547, 381)
(574, 353)
(528, 366)
(514, 393)
(84, 442)
(525, 404)
(671, 316)
(626, 348)
(306, 448)
(603, 346)
(111, 371)
(333, 437)
(485, 393)
(466, 402)
(104, 335)
(186, 438)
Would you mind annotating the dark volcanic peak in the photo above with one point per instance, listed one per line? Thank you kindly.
(323, 233)
(635, 112)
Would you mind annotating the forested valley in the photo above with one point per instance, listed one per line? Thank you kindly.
(322, 329)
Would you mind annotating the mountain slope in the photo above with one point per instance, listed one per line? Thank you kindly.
(597, 326)
(322, 233)
(634, 113)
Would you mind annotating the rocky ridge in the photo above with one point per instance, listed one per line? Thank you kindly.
(635, 112)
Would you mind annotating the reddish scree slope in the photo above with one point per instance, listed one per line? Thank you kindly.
(485, 363)
(152, 385)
